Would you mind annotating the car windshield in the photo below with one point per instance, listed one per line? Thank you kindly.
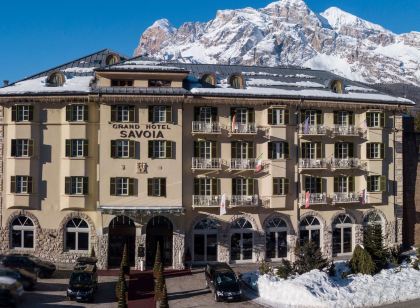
(9, 273)
(80, 278)
(35, 259)
(226, 278)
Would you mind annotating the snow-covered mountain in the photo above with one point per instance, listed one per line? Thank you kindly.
(288, 32)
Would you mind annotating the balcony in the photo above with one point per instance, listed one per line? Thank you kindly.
(242, 164)
(199, 127)
(199, 163)
(243, 129)
(206, 201)
(314, 198)
(374, 198)
(350, 197)
(244, 200)
(309, 163)
(312, 130)
(345, 130)
(346, 163)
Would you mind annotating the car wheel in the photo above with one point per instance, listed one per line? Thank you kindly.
(216, 297)
(42, 275)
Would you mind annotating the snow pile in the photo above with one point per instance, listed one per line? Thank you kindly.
(270, 82)
(317, 289)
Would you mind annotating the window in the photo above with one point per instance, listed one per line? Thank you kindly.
(112, 59)
(376, 183)
(343, 118)
(205, 114)
(313, 184)
(342, 234)
(337, 86)
(122, 113)
(310, 230)
(76, 185)
(56, 79)
(208, 80)
(77, 235)
(236, 81)
(280, 186)
(312, 117)
(375, 119)
(161, 149)
(206, 186)
(123, 148)
(241, 240)
(311, 150)
(22, 233)
(122, 186)
(22, 147)
(22, 113)
(276, 238)
(160, 114)
(76, 148)
(205, 240)
(205, 149)
(243, 186)
(21, 184)
(242, 150)
(157, 83)
(121, 83)
(278, 116)
(156, 187)
(375, 150)
(343, 184)
(77, 113)
(242, 116)
(278, 150)
(343, 150)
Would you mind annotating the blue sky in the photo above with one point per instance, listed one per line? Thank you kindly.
(36, 35)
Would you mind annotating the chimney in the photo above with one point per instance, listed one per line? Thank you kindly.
(5, 83)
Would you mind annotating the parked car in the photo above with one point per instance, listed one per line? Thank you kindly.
(83, 284)
(10, 292)
(43, 269)
(83, 262)
(27, 279)
(223, 282)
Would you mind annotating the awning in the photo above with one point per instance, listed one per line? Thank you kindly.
(141, 210)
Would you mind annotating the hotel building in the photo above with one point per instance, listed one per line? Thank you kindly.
(104, 151)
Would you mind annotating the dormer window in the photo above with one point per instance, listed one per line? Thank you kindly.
(121, 83)
(112, 59)
(208, 80)
(157, 83)
(56, 79)
(237, 81)
(337, 86)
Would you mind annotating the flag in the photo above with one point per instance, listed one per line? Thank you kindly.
(363, 197)
(307, 199)
(234, 122)
(223, 205)
(258, 165)
(306, 126)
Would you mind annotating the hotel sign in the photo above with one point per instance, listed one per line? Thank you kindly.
(154, 131)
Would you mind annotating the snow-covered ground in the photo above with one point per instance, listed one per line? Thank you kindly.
(317, 289)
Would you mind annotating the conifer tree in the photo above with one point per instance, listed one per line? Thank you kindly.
(158, 261)
(122, 299)
(164, 300)
(373, 243)
(124, 261)
(361, 262)
(159, 284)
(309, 257)
(120, 283)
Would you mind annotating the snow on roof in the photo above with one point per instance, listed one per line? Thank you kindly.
(146, 65)
(270, 82)
(359, 89)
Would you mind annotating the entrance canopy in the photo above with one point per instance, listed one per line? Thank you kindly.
(141, 210)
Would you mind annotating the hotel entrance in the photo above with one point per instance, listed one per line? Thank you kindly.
(159, 230)
(121, 231)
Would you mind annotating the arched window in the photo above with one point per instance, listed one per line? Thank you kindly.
(342, 234)
(208, 80)
(276, 238)
(205, 240)
(56, 79)
(22, 232)
(241, 240)
(372, 218)
(112, 59)
(310, 230)
(77, 235)
(337, 86)
(237, 81)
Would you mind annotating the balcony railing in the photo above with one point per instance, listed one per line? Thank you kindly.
(206, 201)
(309, 163)
(345, 130)
(312, 129)
(314, 198)
(206, 163)
(350, 197)
(248, 128)
(244, 200)
(242, 164)
(200, 127)
(345, 163)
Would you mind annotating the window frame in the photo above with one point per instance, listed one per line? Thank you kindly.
(76, 186)
(76, 230)
(23, 230)
(156, 187)
(22, 113)
(21, 148)
(280, 186)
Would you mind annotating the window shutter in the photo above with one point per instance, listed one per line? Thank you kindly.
(31, 113)
(113, 187)
(368, 119)
(196, 113)
(286, 149)
(68, 147)
(150, 148)
(382, 146)
(270, 116)
(14, 113)
(286, 186)
(214, 187)
(67, 185)
(213, 149)
(382, 119)
(251, 115)
(131, 149)
(270, 150)
(196, 186)
(336, 150)
(351, 149)
(113, 148)
(336, 179)
(234, 191)
(169, 148)
(234, 151)
(368, 145)
(214, 114)
(86, 113)
(276, 182)
(85, 148)
(150, 187)
(163, 187)
(351, 118)
(383, 183)
(319, 119)
(196, 149)
(318, 182)
(131, 114)
(131, 187)
(68, 113)
(232, 113)
(168, 114)
(251, 153)
(302, 116)
(30, 188)
(250, 188)
(335, 117)
(85, 185)
(13, 184)
(286, 116)
(30, 147)
(114, 113)
(318, 146)
(151, 114)
(369, 183)
(13, 148)
(351, 183)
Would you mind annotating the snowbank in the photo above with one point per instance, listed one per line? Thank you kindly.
(317, 289)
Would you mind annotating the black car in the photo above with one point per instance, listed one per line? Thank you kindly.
(43, 269)
(83, 285)
(83, 262)
(27, 279)
(223, 282)
(6, 298)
